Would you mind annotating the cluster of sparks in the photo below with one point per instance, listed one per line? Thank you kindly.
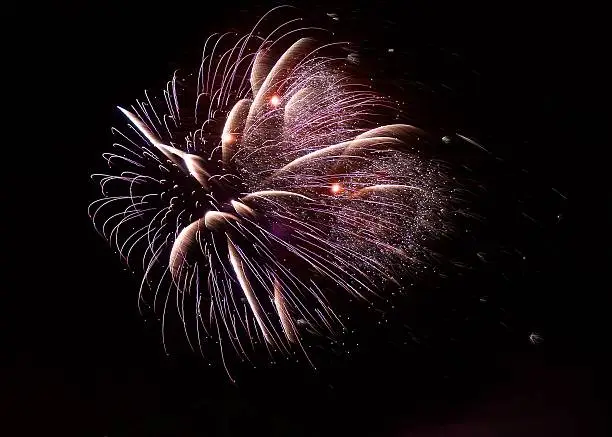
(260, 190)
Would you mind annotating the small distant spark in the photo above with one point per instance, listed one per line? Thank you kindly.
(535, 338)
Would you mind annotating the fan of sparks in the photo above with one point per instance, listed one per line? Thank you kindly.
(262, 189)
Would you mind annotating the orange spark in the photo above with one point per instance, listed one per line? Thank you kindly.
(275, 100)
(336, 188)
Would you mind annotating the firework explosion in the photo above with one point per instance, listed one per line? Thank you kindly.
(263, 188)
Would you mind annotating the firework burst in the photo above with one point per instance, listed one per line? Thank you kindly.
(264, 187)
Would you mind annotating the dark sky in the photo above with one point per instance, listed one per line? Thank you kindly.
(80, 360)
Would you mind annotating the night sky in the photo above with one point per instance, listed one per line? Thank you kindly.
(80, 360)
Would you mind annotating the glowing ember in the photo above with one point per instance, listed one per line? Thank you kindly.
(336, 188)
(275, 100)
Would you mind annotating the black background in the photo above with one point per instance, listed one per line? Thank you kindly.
(80, 360)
